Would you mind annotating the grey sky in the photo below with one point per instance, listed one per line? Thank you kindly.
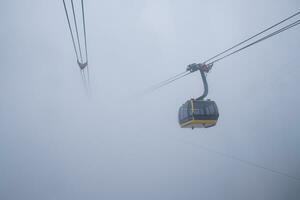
(57, 143)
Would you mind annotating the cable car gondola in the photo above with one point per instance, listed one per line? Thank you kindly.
(199, 113)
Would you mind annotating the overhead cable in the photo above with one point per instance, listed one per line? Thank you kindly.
(246, 162)
(164, 83)
(291, 25)
(246, 40)
(70, 28)
(260, 40)
(76, 29)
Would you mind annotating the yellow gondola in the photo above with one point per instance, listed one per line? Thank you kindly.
(199, 113)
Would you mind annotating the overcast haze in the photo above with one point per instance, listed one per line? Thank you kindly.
(57, 143)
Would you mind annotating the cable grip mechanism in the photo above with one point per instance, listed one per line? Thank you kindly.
(82, 65)
(201, 67)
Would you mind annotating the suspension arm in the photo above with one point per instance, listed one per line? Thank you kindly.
(203, 68)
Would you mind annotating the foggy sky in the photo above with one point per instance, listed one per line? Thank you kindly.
(57, 143)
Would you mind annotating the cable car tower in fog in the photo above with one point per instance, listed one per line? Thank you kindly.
(81, 54)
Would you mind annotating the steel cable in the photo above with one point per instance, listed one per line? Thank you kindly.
(70, 28)
(76, 28)
(170, 80)
(155, 87)
(246, 162)
(244, 41)
(260, 40)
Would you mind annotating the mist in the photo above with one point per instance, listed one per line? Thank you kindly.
(58, 142)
